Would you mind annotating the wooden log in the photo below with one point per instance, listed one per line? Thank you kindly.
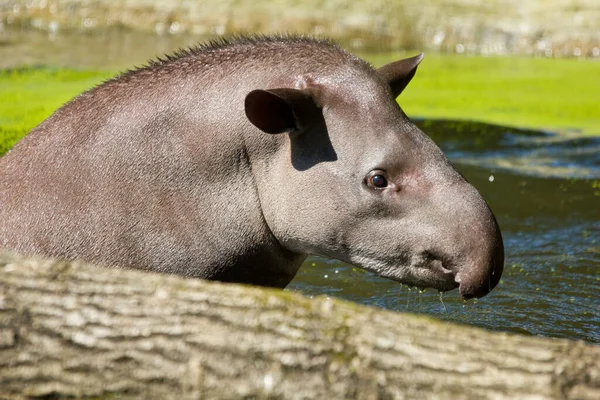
(69, 329)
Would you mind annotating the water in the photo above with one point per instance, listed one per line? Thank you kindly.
(545, 191)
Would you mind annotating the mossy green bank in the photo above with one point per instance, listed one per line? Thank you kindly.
(536, 93)
(29, 95)
(548, 94)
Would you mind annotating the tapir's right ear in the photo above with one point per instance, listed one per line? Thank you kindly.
(398, 74)
(278, 110)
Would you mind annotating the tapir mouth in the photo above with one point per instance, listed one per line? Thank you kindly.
(436, 270)
(425, 270)
(440, 279)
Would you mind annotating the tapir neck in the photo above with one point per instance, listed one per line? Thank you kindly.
(192, 207)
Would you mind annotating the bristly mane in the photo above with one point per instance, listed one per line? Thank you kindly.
(242, 45)
(222, 43)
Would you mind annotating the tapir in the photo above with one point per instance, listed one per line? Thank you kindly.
(234, 160)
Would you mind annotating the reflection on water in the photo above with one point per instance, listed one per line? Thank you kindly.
(545, 191)
(534, 153)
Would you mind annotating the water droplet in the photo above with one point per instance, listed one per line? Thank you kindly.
(442, 301)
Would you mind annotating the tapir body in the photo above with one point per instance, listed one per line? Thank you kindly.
(234, 160)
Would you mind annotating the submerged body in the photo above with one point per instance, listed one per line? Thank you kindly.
(235, 160)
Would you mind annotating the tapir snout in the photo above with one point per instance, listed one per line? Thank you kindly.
(478, 276)
(475, 255)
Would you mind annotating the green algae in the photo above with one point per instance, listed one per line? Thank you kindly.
(29, 95)
(536, 93)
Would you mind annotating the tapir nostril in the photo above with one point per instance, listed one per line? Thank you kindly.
(469, 291)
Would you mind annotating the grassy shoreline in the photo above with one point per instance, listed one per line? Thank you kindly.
(537, 93)
(30, 95)
(560, 95)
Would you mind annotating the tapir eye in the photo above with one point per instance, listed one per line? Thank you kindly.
(377, 180)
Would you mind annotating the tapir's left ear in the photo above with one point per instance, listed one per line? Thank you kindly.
(279, 110)
(399, 73)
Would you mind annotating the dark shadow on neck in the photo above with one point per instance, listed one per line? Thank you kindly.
(312, 145)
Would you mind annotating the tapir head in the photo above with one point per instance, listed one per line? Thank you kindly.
(354, 179)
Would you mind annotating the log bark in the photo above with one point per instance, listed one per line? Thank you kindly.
(69, 329)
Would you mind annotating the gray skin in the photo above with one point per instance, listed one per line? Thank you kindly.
(234, 160)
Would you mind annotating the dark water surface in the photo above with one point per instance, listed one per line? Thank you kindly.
(545, 192)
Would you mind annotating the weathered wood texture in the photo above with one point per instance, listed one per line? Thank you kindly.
(71, 329)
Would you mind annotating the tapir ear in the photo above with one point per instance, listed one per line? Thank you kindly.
(277, 110)
(399, 73)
